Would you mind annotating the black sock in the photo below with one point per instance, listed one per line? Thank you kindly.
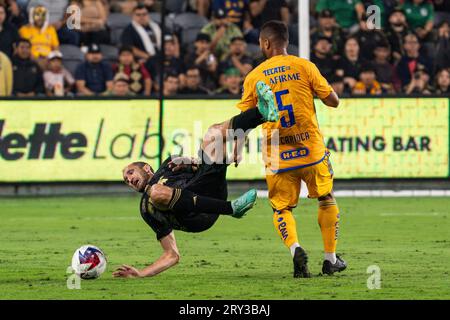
(249, 119)
(186, 201)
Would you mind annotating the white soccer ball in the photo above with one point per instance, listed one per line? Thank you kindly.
(89, 262)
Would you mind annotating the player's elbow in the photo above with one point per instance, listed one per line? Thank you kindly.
(332, 100)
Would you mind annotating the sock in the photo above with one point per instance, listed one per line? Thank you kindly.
(329, 224)
(186, 201)
(293, 247)
(249, 119)
(284, 223)
(330, 257)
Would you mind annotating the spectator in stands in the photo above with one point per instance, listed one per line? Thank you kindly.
(200, 6)
(367, 84)
(442, 47)
(172, 63)
(397, 29)
(142, 34)
(349, 66)
(150, 5)
(221, 32)
(58, 81)
(8, 33)
(123, 6)
(237, 58)
(94, 16)
(419, 82)
(321, 57)
(348, 13)
(140, 81)
(441, 11)
(368, 38)
(327, 28)
(442, 82)
(171, 85)
(262, 11)
(237, 11)
(385, 71)
(93, 76)
(420, 15)
(42, 36)
(411, 59)
(204, 60)
(6, 74)
(56, 10)
(27, 75)
(193, 82)
(57, 19)
(232, 82)
(120, 86)
(337, 83)
(15, 15)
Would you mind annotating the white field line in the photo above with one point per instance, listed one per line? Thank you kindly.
(376, 193)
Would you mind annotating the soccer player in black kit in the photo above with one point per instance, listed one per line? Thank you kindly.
(189, 195)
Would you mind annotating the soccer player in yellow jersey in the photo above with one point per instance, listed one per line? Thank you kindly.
(301, 153)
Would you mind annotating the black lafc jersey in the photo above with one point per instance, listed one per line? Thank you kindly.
(208, 180)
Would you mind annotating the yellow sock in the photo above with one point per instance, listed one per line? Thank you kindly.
(329, 224)
(284, 223)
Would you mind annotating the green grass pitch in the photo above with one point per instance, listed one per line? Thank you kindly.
(408, 238)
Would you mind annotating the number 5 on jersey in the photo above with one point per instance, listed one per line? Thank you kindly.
(289, 120)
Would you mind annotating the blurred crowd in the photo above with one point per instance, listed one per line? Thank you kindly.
(115, 48)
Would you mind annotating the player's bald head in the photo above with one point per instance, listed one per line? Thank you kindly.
(276, 32)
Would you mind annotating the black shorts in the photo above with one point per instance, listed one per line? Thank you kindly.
(210, 180)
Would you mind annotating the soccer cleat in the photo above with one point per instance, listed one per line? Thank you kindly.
(301, 264)
(329, 268)
(244, 203)
(266, 102)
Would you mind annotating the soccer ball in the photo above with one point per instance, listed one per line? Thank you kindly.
(89, 262)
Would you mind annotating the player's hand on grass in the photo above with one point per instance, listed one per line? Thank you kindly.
(127, 272)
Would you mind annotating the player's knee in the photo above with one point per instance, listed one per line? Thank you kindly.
(160, 195)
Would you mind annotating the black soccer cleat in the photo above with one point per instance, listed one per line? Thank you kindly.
(329, 268)
(301, 264)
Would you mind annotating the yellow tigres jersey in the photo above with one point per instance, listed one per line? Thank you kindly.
(294, 81)
(42, 41)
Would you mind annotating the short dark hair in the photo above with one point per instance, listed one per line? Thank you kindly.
(170, 75)
(408, 34)
(192, 67)
(140, 6)
(276, 31)
(125, 49)
(22, 40)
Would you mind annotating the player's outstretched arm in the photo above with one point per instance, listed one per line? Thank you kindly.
(332, 100)
(169, 258)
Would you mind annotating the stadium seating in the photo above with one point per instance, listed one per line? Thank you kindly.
(110, 53)
(117, 22)
(176, 6)
(190, 25)
(72, 56)
(169, 21)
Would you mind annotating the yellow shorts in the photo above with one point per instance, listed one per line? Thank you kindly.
(284, 188)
